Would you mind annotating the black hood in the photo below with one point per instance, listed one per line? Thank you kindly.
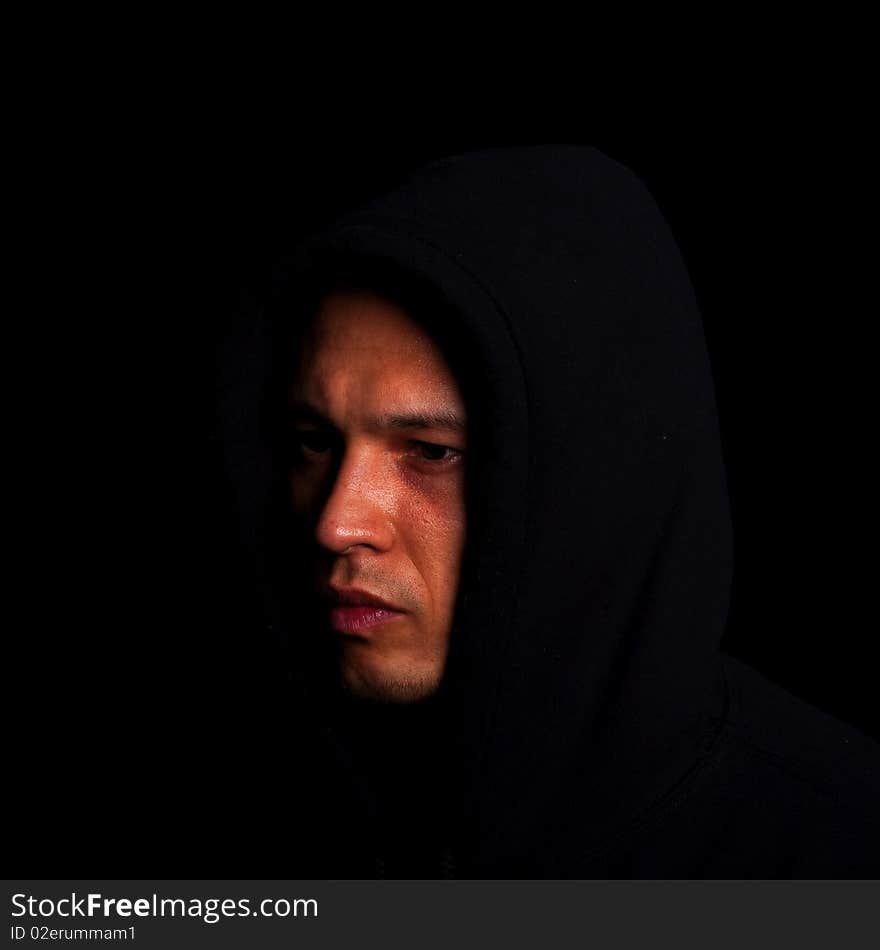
(583, 680)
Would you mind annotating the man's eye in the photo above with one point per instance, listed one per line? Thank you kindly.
(313, 441)
(432, 452)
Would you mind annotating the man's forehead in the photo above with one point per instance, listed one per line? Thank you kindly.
(364, 349)
(367, 319)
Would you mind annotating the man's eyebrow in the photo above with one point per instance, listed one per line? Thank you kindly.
(442, 419)
(421, 419)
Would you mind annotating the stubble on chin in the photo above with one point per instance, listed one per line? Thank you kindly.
(403, 685)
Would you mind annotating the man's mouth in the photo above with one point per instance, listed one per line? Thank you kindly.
(354, 611)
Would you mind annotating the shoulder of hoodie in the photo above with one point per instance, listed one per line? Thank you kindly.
(803, 751)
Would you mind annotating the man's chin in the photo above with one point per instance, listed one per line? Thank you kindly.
(390, 686)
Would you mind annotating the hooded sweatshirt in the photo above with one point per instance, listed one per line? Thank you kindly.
(588, 724)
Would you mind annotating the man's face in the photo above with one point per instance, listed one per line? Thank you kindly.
(380, 433)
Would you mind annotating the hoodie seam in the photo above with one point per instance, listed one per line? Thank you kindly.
(785, 765)
(681, 790)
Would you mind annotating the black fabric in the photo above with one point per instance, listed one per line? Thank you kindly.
(588, 724)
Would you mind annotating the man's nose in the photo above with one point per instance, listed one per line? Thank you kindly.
(357, 512)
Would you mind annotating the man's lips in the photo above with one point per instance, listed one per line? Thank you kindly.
(353, 611)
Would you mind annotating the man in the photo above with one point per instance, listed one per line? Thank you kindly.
(499, 549)
(380, 431)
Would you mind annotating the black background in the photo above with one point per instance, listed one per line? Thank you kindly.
(139, 716)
